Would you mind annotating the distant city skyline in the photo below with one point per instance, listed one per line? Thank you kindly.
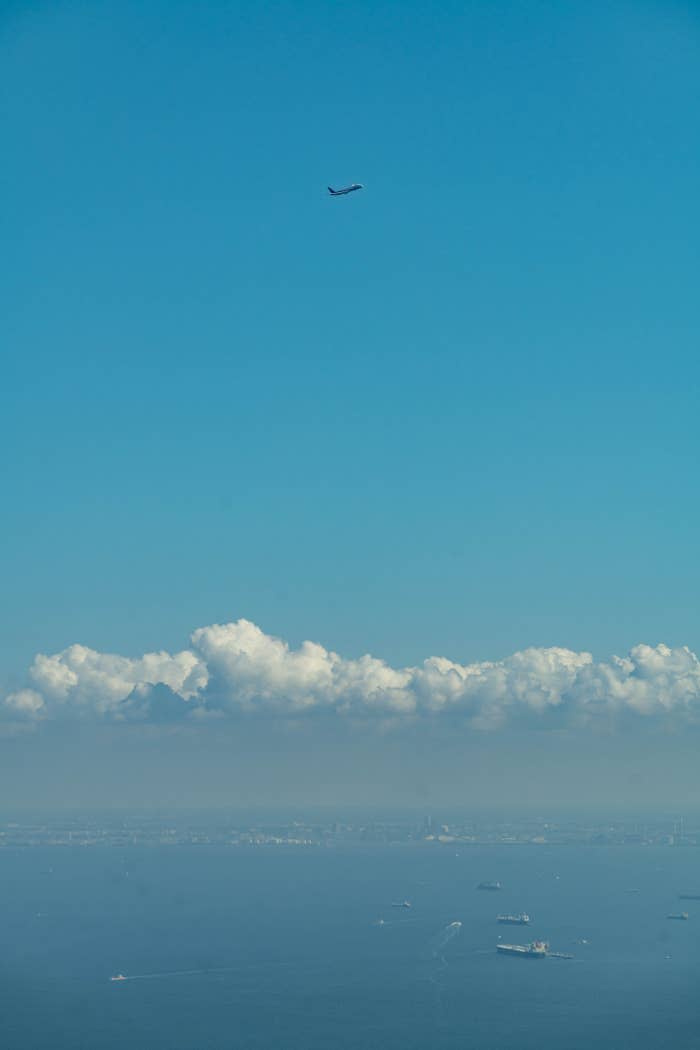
(305, 829)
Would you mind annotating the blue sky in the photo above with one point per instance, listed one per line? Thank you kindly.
(453, 414)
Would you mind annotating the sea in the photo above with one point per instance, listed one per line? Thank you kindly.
(283, 947)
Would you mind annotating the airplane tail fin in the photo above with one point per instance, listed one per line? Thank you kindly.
(331, 190)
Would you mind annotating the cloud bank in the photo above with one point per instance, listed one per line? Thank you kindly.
(235, 670)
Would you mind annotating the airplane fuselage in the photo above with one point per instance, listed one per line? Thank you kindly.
(345, 189)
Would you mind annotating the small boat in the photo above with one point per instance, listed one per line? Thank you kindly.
(119, 977)
(401, 904)
(682, 915)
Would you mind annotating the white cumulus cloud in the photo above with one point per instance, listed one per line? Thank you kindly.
(81, 678)
(25, 704)
(235, 670)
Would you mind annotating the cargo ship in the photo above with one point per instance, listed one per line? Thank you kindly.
(534, 950)
(682, 915)
(514, 920)
(401, 904)
(689, 896)
(489, 886)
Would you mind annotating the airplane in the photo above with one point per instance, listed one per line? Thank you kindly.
(345, 189)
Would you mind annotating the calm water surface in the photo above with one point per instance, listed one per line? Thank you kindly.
(295, 959)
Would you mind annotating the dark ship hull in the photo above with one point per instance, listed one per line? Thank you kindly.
(536, 950)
